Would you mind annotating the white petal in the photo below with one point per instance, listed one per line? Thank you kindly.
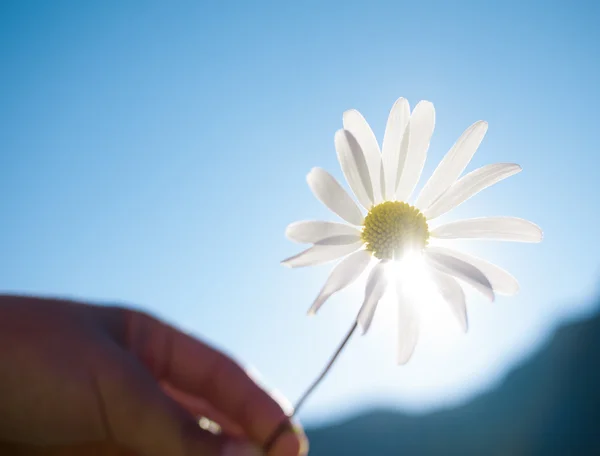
(331, 194)
(453, 294)
(461, 270)
(382, 182)
(392, 154)
(374, 291)
(354, 166)
(342, 239)
(356, 124)
(408, 325)
(402, 157)
(502, 281)
(453, 164)
(342, 275)
(422, 123)
(469, 186)
(319, 254)
(498, 228)
(313, 231)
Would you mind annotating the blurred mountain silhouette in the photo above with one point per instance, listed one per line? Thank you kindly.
(550, 405)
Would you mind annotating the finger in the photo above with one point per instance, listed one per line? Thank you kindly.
(202, 371)
(87, 449)
(200, 408)
(138, 415)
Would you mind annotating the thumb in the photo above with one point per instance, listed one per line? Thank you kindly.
(137, 414)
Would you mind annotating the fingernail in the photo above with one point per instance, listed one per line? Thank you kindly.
(283, 401)
(241, 449)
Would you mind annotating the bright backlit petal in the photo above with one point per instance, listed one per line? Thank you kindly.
(402, 157)
(392, 153)
(502, 281)
(461, 270)
(453, 294)
(319, 254)
(374, 291)
(422, 123)
(408, 325)
(354, 166)
(497, 228)
(469, 186)
(453, 164)
(342, 275)
(356, 124)
(327, 190)
(313, 231)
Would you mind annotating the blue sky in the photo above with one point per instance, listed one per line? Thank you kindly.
(152, 153)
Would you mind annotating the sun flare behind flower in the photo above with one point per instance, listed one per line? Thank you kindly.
(389, 234)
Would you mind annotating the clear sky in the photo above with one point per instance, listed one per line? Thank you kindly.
(152, 153)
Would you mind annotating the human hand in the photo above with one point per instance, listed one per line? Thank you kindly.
(75, 373)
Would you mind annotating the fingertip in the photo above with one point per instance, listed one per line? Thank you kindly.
(302, 439)
(241, 449)
(292, 442)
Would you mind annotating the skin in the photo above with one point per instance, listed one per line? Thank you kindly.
(98, 380)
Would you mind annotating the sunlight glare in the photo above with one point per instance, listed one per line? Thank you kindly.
(413, 272)
(438, 325)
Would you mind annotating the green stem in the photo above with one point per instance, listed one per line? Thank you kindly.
(283, 426)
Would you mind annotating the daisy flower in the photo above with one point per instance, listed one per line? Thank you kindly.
(388, 230)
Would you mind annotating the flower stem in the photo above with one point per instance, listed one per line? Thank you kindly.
(284, 424)
(326, 370)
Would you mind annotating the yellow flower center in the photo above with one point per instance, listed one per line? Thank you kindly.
(394, 227)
